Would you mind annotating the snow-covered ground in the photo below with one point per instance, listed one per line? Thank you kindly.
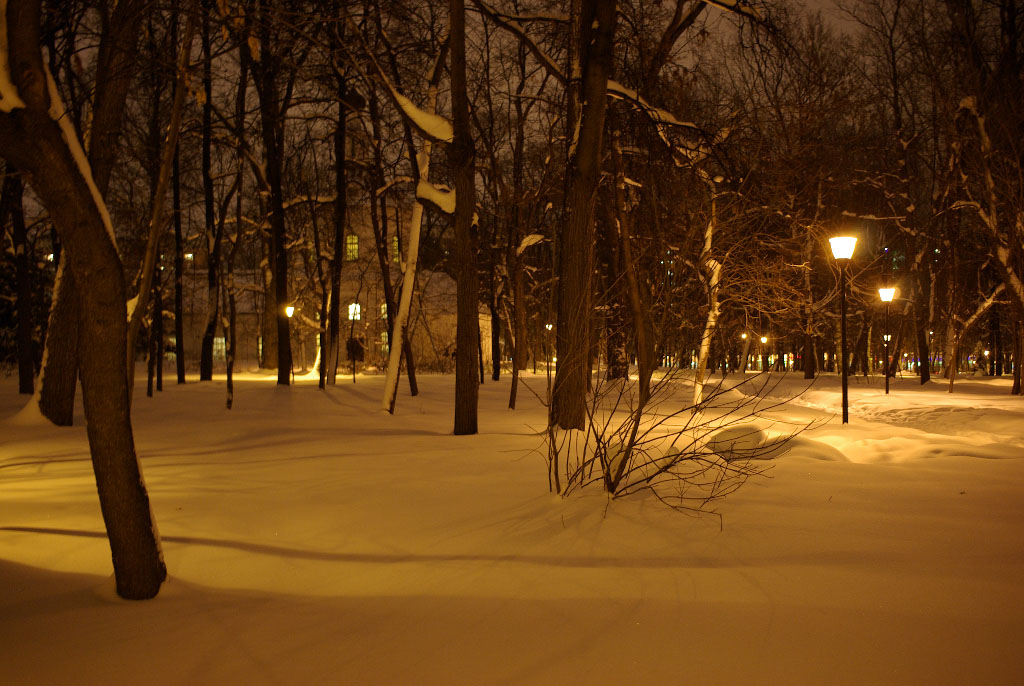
(312, 539)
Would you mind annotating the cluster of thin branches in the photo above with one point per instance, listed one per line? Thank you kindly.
(685, 456)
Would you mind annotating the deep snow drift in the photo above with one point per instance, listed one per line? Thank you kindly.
(312, 538)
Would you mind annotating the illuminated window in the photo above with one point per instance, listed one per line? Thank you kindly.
(383, 310)
(394, 249)
(351, 247)
(384, 342)
(354, 312)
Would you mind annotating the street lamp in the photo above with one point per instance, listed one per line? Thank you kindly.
(289, 311)
(842, 251)
(764, 354)
(886, 294)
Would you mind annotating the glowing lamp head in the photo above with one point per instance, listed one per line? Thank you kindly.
(842, 246)
(743, 336)
(764, 339)
(886, 294)
(548, 326)
(986, 353)
(290, 310)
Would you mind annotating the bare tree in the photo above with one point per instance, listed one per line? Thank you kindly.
(36, 136)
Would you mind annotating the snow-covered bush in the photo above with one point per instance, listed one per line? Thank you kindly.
(687, 458)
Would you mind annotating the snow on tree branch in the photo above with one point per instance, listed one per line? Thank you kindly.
(527, 241)
(656, 114)
(441, 196)
(737, 7)
(513, 26)
(432, 126)
(9, 98)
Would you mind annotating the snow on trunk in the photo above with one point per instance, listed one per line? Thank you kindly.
(713, 275)
(59, 115)
(405, 299)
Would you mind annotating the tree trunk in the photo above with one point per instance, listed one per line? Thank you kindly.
(495, 340)
(266, 71)
(118, 49)
(332, 353)
(163, 176)
(462, 163)
(58, 376)
(712, 277)
(212, 236)
(42, 146)
(11, 205)
(515, 258)
(1018, 356)
(179, 274)
(592, 53)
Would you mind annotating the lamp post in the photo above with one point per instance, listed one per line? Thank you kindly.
(842, 251)
(289, 311)
(764, 353)
(886, 294)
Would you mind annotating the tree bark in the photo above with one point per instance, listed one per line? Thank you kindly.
(170, 144)
(462, 162)
(332, 353)
(213, 237)
(179, 274)
(118, 50)
(595, 26)
(266, 70)
(32, 138)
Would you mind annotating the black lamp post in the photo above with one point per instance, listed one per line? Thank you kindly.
(842, 250)
(289, 311)
(886, 294)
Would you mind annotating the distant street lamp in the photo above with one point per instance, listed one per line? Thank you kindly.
(290, 310)
(886, 294)
(842, 251)
(764, 354)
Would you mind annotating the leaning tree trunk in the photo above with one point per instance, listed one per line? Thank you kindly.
(712, 278)
(36, 136)
(118, 48)
(420, 163)
(58, 376)
(163, 179)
